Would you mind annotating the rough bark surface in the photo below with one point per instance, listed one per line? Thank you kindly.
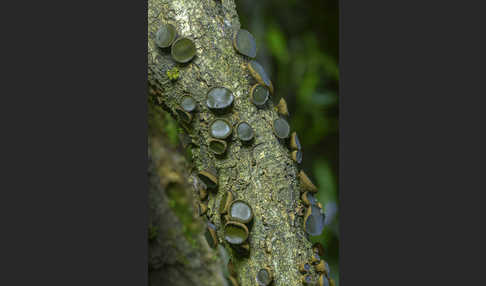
(263, 173)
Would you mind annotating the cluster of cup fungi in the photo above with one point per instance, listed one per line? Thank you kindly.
(237, 214)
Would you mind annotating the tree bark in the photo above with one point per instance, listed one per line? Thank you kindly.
(261, 174)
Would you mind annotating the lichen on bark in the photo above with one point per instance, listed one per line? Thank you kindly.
(262, 173)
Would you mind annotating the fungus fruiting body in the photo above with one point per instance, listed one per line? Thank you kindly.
(318, 248)
(202, 209)
(217, 146)
(203, 193)
(244, 43)
(211, 236)
(314, 221)
(308, 199)
(259, 95)
(281, 128)
(321, 267)
(264, 277)
(219, 98)
(282, 107)
(323, 281)
(184, 115)
(208, 178)
(307, 184)
(225, 202)
(165, 35)
(244, 131)
(259, 74)
(307, 280)
(315, 258)
(188, 103)
(304, 268)
(235, 233)
(183, 50)
(240, 211)
(297, 156)
(220, 128)
(295, 142)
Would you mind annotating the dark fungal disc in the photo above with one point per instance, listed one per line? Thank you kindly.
(225, 202)
(323, 281)
(220, 128)
(210, 235)
(165, 35)
(307, 280)
(281, 128)
(188, 103)
(264, 277)
(318, 248)
(208, 178)
(235, 232)
(314, 221)
(259, 74)
(304, 268)
(244, 131)
(259, 95)
(240, 211)
(308, 199)
(295, 142)
(244, 43)
(219, 98)
(217, 146)
(297, 156)
(183, 50)
(184, 115)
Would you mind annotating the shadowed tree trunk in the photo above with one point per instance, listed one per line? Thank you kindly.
(262, 174)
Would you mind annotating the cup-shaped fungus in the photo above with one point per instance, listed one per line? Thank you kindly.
(188, 103)
(244, 43)
(211, 236)
(308, 199)
(314, 221)
(259, 95)
(307, 280)
(259, 74)
(264, 276)
(240, 211)
(323, 281)
(208, 178)
(297, 156)
(315, 258)
(184, 115)
(225, 202)
(304, 268)
(282, 107)
(219, 99)
(281, 128)
(318, 248)
(203, 193)
(183, 50)
(217, 146)
(244, 131)
(219, 128)
(202, 209)
(320, 267)
(242, 249)
(165, 35)
(235, 233)
(307, 184)
(295, 142)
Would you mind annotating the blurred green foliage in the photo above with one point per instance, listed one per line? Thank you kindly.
(298, 44)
